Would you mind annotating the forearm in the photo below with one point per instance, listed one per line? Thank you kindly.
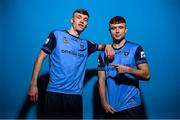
(101, 47)
(140, 74)
(102, 91)
(35, 73)
(109, 51)
(37, 67)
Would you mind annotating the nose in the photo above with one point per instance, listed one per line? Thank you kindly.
(117, 30)
(81, 21)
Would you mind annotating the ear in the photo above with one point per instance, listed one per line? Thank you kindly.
(109, 30)
(126, 30)
(86, 26)
(72, 20)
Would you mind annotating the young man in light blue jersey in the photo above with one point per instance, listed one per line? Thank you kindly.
(68, 54)
(119, 77)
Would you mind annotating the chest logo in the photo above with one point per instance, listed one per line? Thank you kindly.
(65, 40)
(81, 46)
(126, 53)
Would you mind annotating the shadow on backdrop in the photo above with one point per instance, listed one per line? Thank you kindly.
(42, 85)
(97, 109)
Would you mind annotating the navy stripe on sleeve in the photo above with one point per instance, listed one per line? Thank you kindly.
(49, 44)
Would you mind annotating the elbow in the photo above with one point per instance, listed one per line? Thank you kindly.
(147, 77)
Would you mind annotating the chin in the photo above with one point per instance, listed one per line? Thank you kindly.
(79, 31)
(117, 39)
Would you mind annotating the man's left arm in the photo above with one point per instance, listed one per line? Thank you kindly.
(109, 51)
(142, 71)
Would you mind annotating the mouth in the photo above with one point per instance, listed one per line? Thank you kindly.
(81, 25)
(117, 36)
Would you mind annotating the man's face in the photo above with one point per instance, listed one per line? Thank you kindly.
(118, 31)
(79, 22)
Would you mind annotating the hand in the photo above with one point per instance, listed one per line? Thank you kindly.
(121, 68)
(108, 108)
(33, 93)
(109, 51)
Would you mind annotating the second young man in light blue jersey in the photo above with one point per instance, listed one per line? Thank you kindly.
(119, 77)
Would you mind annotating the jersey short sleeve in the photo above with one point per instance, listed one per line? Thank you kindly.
(49, 44)
(92, 47)
(140, 56)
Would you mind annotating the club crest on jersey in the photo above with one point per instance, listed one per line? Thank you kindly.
(81, 46)
(65, 40)
(126, 53)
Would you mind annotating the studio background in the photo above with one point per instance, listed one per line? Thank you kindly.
(25, 24)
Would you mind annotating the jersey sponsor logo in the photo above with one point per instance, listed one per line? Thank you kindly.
(65, 40)
(47, 40)
(142, 54)
(73, 53)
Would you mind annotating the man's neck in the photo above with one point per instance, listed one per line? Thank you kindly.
(119, 45)
(73, 32)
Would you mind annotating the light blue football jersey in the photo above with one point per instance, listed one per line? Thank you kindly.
(67, 61)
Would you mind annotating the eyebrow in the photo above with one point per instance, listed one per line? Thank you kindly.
(118, 26)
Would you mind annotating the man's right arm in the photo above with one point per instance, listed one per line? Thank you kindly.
(102, 92)
(47, 48)
(101, 76)
(33, 90)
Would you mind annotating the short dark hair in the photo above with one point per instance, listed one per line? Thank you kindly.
(82, 11)
(117, 19)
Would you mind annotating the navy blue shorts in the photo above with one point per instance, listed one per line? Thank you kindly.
(63, 106)
(132, 113)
